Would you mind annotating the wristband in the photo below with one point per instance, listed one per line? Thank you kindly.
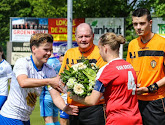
(153, 88)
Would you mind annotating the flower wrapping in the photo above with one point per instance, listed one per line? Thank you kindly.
(80, 78)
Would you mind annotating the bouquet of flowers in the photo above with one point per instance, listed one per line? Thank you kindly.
(80, 78)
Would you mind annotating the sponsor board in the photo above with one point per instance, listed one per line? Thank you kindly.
(158, 26)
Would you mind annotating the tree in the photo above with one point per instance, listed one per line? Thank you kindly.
(11, 8)
(159, 7)
(49, 8)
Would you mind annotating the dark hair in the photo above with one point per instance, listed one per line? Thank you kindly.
(39, 38)
(141, 12)
(112, 40)
(1, 50)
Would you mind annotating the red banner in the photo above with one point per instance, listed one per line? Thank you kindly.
(58, 28)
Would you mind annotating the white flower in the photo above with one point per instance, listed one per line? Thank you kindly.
(75, 67)
(78, 88)
(71, 82)
(81, 66)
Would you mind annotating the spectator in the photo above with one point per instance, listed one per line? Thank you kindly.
(88, 115)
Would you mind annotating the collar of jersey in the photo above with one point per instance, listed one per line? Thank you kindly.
(1, 61)
(115, 59)
(35, 64)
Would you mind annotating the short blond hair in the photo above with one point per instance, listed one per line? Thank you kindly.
(39, 38)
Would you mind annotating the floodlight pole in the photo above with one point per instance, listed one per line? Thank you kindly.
(69, 23)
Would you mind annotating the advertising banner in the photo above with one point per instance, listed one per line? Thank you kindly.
(158, 26)
(58, 28)
(23, 28)
(103, 25)
(60, 48)
(20, 49)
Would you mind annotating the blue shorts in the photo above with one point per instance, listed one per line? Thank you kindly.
(2, 100)
(48, 108)
(10, 121)
(63, 114)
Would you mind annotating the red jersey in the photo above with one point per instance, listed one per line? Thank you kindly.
(119, 80)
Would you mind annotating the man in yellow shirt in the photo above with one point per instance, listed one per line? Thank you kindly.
(88, 115)
(146, 54)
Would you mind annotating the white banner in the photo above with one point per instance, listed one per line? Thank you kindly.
(103, 25)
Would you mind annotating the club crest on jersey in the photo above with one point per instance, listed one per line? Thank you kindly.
(153, 63)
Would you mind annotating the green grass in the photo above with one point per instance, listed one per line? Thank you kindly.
(35, 118)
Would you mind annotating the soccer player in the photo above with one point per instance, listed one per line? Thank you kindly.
(5, 76)
(48, 110)
(29, 75)
(147, 55)
(116, 81)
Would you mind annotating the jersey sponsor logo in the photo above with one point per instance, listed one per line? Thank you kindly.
(78, 60)
(31, 99)
(124, 67)
(153, 63)
(146, 53)
(150, 53)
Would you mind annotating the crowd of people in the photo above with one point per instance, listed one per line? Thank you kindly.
(130, 91)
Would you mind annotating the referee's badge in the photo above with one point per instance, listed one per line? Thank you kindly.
(153, 63)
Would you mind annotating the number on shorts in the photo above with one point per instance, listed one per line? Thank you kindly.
(131, 82)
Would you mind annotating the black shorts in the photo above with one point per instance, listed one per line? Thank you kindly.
(93, 115)
(153, 112)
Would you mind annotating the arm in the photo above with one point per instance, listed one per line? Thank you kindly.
(26, 82)
(20, 71)
(89, 100)
(59, 102)
(159, 83)
(95, 96)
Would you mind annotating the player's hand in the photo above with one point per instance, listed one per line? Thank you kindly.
(71, 109)
(141, 90)
(55, 83)
(138, 85)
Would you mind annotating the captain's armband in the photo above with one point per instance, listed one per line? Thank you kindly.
(99, 86)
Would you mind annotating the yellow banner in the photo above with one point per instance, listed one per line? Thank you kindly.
(62, 37)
